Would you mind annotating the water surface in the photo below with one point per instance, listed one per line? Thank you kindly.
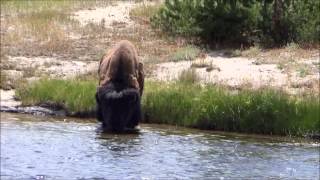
(55, 148)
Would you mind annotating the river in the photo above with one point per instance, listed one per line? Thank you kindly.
(36, 147)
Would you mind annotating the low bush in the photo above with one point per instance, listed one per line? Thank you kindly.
(274, 22)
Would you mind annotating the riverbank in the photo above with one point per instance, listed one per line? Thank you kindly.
(66, 39)
(262, 111)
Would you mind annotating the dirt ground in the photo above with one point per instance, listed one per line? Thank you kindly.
(242, 72)
(89, 32)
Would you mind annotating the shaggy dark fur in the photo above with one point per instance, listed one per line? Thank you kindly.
(121, 83)
(118, 107)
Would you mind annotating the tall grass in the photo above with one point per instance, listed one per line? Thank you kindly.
(262, 111)
(72, 95)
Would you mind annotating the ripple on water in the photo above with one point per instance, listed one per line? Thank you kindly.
(72, 149)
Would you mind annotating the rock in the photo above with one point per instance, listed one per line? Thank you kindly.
(10, 104)
(34, 110)
(8, 99)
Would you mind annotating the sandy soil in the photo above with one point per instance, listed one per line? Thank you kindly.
(116, 13)
(231, 71)
(48, 66)
(7, 99)
(236, 72)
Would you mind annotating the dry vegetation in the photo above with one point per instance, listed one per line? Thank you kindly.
(49, 29)
(289, 58)
(39, 28)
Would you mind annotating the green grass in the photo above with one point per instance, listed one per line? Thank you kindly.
(187, 53)
(262, 111)
(72, 95)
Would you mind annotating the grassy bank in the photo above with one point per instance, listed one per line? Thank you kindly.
(261, 111)
(71, 95)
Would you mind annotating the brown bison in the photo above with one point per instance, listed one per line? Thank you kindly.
(121, 64)
(121, 83)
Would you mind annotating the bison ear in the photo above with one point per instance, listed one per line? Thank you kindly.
(133, 81)
(140, 65)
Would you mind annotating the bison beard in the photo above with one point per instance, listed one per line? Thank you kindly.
(118, 108)
(121, 81)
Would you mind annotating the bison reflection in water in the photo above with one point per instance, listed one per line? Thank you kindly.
(121, 82)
